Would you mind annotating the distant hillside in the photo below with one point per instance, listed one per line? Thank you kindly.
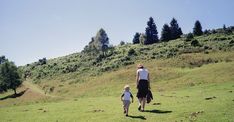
(92, 64)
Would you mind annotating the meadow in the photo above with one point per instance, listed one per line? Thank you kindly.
(211, 103)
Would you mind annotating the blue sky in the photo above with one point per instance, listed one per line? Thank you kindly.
(33, 29)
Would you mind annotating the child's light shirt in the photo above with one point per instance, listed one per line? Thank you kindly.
(127, 95)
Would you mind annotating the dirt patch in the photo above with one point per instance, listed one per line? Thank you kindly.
(193, 116)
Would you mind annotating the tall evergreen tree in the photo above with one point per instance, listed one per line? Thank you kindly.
(9, 77)
(176, 31)
(151, 32)
(224, 27)
(197, 30)
(136, 38)
(101, 40)
(99, 43)
(166, 33)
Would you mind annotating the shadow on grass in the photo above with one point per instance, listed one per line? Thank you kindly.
(137, 117)
(14, 95)
(158, 111)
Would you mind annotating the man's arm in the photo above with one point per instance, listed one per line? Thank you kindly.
(137, 79)
(149, 81)
(131, 97)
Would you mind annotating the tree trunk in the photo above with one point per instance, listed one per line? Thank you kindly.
(15, 91)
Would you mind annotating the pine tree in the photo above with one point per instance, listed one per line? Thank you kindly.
(136, 38)
(224, 27)
(197, 30)
(176, 31)
(166, 33)
(151, 32)
(101, 41)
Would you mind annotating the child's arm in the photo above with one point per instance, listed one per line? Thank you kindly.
(131, 97)
(121, 98)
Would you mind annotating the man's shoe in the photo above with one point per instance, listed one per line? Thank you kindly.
(139, 107)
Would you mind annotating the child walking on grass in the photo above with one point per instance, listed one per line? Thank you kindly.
(125, 97)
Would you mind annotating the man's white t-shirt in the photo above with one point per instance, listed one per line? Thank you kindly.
(143, 74)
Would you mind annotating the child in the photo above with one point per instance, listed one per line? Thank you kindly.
(125, 97)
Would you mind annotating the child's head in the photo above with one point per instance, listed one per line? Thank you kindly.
(126, 88)
(140, 66)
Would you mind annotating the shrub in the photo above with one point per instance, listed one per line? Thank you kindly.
(189, 37)
(42, 61)
(223, 38)
(126, 58)
(195, 43)
(122, 43)
(131, 52)
(207, 47)
(231, 43)
(128, 63)
(206, 32)
(213, 31)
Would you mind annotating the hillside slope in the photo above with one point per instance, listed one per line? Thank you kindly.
(172, 64)
(181, 99)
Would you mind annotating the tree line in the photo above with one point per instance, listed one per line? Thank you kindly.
(100, 42)
(169, 32)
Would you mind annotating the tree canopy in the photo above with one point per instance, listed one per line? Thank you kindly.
(9, 77)
(166, 33)
(151, 32)
(176, 31)
(98, 43)
(197, 30)
(136, 38)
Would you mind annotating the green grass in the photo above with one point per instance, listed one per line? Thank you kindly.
(175, 106)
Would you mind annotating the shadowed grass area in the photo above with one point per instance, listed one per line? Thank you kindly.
(14, 95)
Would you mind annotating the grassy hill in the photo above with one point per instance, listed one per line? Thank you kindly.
(170, 60)
(189, 83)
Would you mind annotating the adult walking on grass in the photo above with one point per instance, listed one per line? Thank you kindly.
(143, 86)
